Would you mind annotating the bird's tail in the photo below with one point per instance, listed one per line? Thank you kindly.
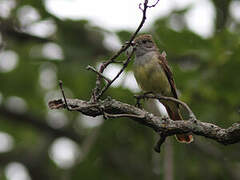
(175, 115)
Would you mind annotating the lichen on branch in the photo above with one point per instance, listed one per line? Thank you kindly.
(110, 108)
(117, 109)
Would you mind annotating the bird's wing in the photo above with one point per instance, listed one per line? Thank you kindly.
(164, 64)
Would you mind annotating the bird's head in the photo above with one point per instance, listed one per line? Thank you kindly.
(144, 44)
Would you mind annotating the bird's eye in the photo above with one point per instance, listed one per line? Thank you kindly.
(144, 41)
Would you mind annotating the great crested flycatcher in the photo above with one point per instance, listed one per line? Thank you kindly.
(153, 74)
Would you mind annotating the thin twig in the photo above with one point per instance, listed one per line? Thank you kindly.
(140, 6)
(139, 97)
(153, 96)
(161, 140)
(118, 74)
(118, 62)
(100, 74)
(191, 114)
(63, 94)
(154, 4)
(97, 92)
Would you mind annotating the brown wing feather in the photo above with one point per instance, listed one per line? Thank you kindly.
(163, 62)
(183, 138)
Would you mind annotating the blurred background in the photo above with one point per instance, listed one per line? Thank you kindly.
(47, 40)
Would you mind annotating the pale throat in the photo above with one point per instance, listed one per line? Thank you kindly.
(145, 57)
(149, 74)
(141, 50)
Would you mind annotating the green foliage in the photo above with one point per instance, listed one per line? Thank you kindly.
(206, 72)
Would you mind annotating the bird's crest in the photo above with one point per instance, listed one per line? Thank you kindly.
(146, 37)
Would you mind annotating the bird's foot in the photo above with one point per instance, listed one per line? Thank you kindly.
(140, 97)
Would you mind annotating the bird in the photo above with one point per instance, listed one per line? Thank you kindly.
(153, 74)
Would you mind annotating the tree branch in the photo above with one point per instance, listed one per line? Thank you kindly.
(97, 92)
(160, 125)
(118, 74)
(177, 101)
(165, 127)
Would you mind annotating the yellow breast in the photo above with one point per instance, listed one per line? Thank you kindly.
(151, 77)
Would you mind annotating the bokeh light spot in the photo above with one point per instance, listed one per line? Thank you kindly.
(6, 142)
(6, 6)
(16, 104)
(8, 60)
(64, 152)
(52, 51)
(27, 15)
(90, 122)
(16, 171)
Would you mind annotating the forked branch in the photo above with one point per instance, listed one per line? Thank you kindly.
(165, 127)
(116, 109)
(97, 91)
